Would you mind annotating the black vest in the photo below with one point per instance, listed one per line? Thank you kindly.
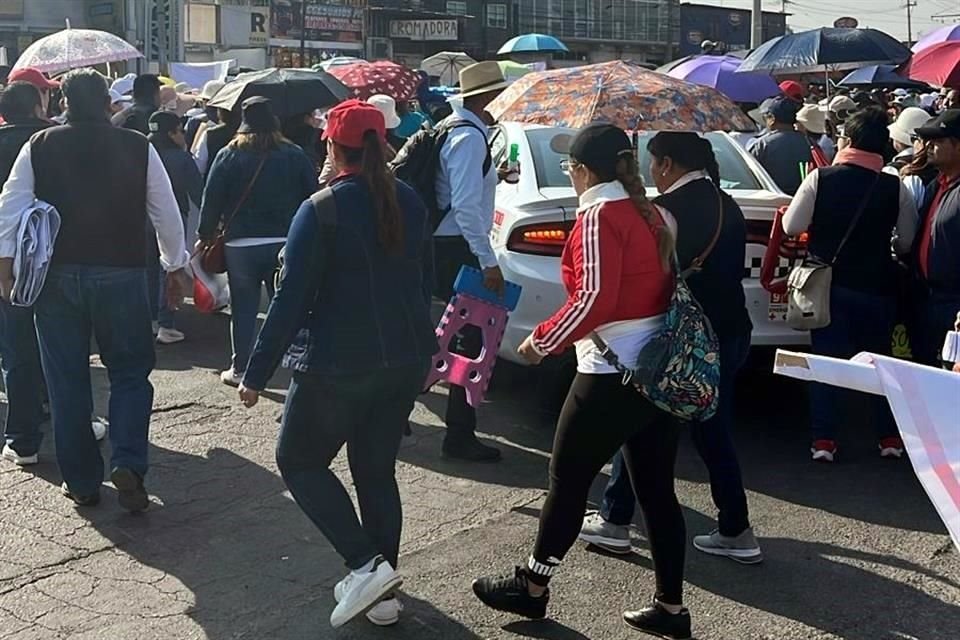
(866, 262)
(96, 176)
(218, 137)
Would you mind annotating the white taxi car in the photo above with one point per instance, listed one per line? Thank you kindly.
(534, 216)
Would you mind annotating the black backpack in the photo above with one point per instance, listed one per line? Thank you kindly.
(418, 161)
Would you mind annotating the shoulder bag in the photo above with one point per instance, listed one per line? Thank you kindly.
(679, 369)
(213, 257)
(808, 286)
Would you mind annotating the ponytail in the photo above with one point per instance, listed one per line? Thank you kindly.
(709, 162)
(687, 150)
(627, 172)
(372, 161)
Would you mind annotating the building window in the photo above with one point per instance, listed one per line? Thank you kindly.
(497, 16)
(457, 8)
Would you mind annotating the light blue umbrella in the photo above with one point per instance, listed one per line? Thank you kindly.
(532, 42)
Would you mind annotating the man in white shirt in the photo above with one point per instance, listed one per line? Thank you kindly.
(105, 182)
(466, 186)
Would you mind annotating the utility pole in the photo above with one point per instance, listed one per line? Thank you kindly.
(756, 37)
(910, 5)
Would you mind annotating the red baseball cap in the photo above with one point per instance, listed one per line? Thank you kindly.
(32, 76)
(350, 120)
(793, 90)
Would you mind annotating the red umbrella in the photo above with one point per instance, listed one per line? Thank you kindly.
(937, 65)
(365, 79)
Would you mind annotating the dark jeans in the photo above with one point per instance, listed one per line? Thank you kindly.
(648, 441)
(22, 378)
(110, 305)
(937, 313)
(714, 441)
(367, 412)
(451, 254)
(858, 322)
(157, 290)
(249, 269)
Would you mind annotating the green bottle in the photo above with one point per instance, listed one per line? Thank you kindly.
(513, 165)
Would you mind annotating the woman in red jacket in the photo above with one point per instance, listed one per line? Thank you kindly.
(617, 275)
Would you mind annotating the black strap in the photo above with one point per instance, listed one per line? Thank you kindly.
(856, 218)
(457, 124)
(697, 263)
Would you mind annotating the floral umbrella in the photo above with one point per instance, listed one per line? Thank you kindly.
(74, 48)
(369, 79)
(621, 93)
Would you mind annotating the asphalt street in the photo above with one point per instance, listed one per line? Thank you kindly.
(854, 550)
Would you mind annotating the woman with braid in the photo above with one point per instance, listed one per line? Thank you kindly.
(617, 272)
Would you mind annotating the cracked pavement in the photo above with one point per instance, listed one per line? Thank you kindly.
(853, 551)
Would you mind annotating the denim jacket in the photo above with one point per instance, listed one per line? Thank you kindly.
(345, 304)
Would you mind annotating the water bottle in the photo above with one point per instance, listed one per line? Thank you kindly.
(513, 165)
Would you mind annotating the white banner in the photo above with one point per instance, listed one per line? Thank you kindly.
(424, 29)
(925, 402)
(197, 74)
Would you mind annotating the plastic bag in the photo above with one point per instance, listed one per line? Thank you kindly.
(210, 290)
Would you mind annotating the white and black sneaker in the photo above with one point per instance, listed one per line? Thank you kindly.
(383, 614)
(361, 593)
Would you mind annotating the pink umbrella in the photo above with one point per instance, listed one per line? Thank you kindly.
(382, 77)
(943, 34)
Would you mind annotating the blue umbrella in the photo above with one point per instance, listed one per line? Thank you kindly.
(532, 42)
(719, 72)
(826, 49)
(881, 75)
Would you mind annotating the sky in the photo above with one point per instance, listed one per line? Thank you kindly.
(886, 15)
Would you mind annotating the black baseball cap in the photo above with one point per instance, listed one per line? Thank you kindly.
(599, 147)
(946, 125)
(258, 116)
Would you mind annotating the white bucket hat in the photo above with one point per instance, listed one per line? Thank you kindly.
(388, 107)
(909, 120)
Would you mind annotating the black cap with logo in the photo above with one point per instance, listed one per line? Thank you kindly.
(945, 125)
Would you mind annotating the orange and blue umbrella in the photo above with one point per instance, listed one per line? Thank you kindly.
(620, 93)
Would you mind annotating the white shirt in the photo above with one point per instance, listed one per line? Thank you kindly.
(462, 186)
(799, 215)
(18, 194)
(202, 154)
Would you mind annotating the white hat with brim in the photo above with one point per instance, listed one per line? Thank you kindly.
(480, 78)
(388, 107)
(813, 118)
(909, 120)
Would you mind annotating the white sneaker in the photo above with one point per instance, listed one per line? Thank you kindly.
(17, 459)
(610, 537)
(99, 426)
(231, 378)
(384, 614)
(169, 336)
(155, 327)
(362, 593)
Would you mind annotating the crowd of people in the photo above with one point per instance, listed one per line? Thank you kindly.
(361, 256)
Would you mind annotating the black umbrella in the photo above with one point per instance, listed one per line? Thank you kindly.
(825, 49)
(291, 91)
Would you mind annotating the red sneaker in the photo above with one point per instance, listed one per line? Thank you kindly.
(891, 447)
(824, 450)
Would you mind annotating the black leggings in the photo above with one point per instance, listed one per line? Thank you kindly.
(600, 416)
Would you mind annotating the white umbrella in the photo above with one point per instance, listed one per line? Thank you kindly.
(446, 65)
(74, 48)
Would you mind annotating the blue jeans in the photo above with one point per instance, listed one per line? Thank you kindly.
(368, 412)
(858, 322)
(937, 314)
(111, 305)
(22, 377)
(714, 441)
(249, 269)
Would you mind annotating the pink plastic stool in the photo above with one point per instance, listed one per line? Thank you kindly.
(472, 305)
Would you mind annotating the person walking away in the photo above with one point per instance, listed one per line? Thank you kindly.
(937, 251)
(783, 151)
(209, 114)
(355, 290)
(96, 286)
(146, 101)
(812, 121)
(214, 138)
(686, 173)
(35, 77)
(22, 111)
(616, 270)
(467, 194)
(300, 130)
(254, 189)
(167, 137)
(855, 201)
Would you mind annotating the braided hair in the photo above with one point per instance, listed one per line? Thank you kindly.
(628, 173)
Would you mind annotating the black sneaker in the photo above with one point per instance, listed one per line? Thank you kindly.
(133, 497)
(470, 450)
(659, 622)
(91, 500)
(509, 593)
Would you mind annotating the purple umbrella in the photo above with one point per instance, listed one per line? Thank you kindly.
(719, 72)
(943, 34)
